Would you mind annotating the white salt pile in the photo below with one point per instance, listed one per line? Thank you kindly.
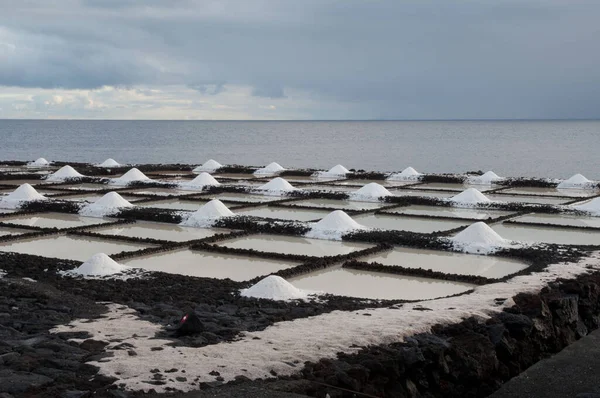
(276, 186)
(592, 207)
(24, 193)
(478, 238)
(64, 173)
(97, 266)
(408, 174)
(487, 178)
(274, 288)
(271, 168)
(131, 176)
(370, 193)
(40, 162)
(207, 215)
(107, 205)
(337, 171)
(333, 226)
(576, 181)
(209, 166)
(202, 180)
(470, 196)
(109, 163)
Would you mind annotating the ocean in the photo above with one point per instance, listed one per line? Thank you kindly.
(510, 148)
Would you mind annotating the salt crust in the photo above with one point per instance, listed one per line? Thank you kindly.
(271, 168)
(132, 175)
(338, 331)
(370, 193)
(24, 193)
(592, 207)
(64, 173)
(209, 166)
(107, 205)
(479, 238)
(207, 215)
(99, 265)
(487, 178)
(274, 287)
(40, 162)
(202, 180)
(276, 186)
(408, 174)
(333, 226)
(337, 171)
(469, 197)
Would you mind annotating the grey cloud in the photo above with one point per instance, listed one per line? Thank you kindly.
(399, 59)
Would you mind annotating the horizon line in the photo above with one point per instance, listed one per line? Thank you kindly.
(306, 120)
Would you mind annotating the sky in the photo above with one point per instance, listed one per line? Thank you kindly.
(299, 59)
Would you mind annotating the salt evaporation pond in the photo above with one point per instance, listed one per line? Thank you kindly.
(455, 212)
(55, 220)
(423, 192)
(574, 193)
(338, 204)
(157, 191)
(85, 187)
(453, 187)
(6, 211)
(30, 182)
(92, 197)
(294, 245)
(413, 224)
(376, 285)
(560, 219)
(361, 183)
(241, 197)
(174, 204)
(68, 247)
(283, 213)
(448, 262)
(12, 231)
(532, 234)
(208, 265)
(335, 188)
(163, 231)
(527, 199)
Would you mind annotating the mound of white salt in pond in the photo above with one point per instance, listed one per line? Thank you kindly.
(109, 204)
(592, 207)
(64, 173)
(274, 288)
(408, 174)
(208, 214)
(24, 193)
(271, 168)
(333, 226)
(478, 238)
(40, 162)
(98, 265)
(209, 166)
(110, 162)
(470, 196)
(487, 178)
(576, 181)
(370, 192)
(276, 186)
(131, 176)
(202, 180)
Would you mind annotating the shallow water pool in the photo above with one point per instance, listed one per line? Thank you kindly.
(55, 220)
(414, 224)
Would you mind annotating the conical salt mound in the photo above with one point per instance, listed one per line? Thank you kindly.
(208, 214)
(478, 238)
(40, 162)
(99, 265)
(203, 179)
(333, 226)
(338, 170)
(593, 207)
(274, 288)
(109, 204)
(576, 181)
(109, 163)
(131, 176)
(277, 184)
(64, 173)
(405, 175)
(372, 190)
(485, 179)
(209, 166)
(470, 196)
(25, 192)
(271, 168)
